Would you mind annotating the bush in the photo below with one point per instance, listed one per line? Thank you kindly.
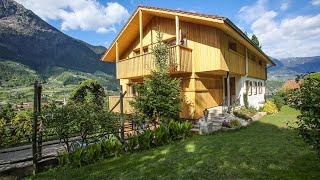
(112, 147)
(145, 139)
(132, 143)
(309, 120)
(278, 101)
(245, 113)
(161, 135)
(235, 123)
(270, 108)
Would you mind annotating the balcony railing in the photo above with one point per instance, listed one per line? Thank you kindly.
(142, 65)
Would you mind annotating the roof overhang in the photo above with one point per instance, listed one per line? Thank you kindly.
(131, 29)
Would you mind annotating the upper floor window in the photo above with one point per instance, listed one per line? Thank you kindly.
(232, 46)
(145, 50)
(260, 62)
(252, 57)
(137, 51)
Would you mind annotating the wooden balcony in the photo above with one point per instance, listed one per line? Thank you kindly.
(142, 65)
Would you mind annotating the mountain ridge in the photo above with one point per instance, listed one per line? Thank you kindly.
(26, 38)
(288, 68)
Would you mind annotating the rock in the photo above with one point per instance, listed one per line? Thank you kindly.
(258, 115)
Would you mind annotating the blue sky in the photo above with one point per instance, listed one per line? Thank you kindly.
(286, 28)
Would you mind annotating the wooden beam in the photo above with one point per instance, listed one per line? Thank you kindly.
(177, 31)
(117, 52)
(228, 92)
(141, 31)
(247, 62)
(178, 43)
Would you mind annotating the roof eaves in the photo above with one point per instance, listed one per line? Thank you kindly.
(115, 39)
(234, 27)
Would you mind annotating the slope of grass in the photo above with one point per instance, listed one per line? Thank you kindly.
(267, 149)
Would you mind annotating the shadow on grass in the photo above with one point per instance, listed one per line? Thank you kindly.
(261, 150)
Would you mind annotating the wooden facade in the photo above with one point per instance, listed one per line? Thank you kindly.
(202, 51)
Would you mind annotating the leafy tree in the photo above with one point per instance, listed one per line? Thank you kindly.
(18, 129)
(309, 120)
(7, 113)
(86, 119)
(88, 91)
(255, 40)
(159, 96)
(61, 121)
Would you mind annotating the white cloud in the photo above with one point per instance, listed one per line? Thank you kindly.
(284, 6)
(288, 37)
(86, 15)
(315, 2)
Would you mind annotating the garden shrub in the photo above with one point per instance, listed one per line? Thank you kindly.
(175, 130)
(132, 143)
(77, 157)
(225, 123)
(235, 123)
(270, 108)
(145, 139)
(93, 153)
(278, 101)
(161, 135)
(309, 120)
(63, 158)
(110, 147)
(245, 113)
(186, 128)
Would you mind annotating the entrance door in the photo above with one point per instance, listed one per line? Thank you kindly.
(232, 88)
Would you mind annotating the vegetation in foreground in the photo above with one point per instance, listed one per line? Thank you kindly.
(266, 149)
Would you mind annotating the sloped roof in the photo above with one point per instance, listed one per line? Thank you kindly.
(189, 15)
(291, 84)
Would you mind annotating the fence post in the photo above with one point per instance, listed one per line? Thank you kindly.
(35, 128)
(40, 125)
(122, 118)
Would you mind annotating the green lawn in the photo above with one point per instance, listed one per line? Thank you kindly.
(267, 149)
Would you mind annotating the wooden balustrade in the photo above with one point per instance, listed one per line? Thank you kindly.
(142, 65)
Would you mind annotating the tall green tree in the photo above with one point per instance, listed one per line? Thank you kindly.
(159, 96)
(309, 105)
(89, 91)
(255, 40)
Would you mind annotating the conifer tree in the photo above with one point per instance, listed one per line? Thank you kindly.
(159, 96)
(255, 40)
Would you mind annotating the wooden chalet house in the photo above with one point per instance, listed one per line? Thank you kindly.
(216, 61)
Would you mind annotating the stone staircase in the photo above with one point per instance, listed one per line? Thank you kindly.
(214, 123)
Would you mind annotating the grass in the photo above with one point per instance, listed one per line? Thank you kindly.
(267, 149)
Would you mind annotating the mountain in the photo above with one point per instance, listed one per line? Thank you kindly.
(288, 68)
(26, 38)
